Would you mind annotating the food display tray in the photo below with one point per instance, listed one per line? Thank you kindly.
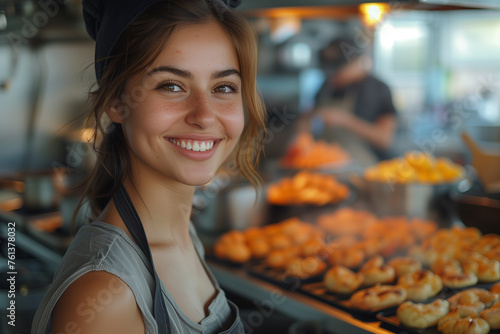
(318, 291)
(280, 277)
(390, 321)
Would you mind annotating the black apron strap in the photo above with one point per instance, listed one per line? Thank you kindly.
(133, 222)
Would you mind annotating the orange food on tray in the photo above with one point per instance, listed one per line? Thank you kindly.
(276, 244)
(307, 188)
(347, 221)
(231, 246)
(416, 167)
(307, 153)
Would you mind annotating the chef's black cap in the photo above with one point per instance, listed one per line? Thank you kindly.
(106, 20)
(340, 51)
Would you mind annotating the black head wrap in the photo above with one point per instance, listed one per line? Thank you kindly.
(339, 52)
(106, 20)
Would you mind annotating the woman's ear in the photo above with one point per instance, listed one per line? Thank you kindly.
(116, 112)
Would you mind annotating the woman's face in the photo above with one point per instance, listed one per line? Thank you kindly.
(184, 114)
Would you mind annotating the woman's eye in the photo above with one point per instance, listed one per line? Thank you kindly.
(170, 87)
(225, 89)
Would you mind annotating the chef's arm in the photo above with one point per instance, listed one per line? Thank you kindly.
(380, 134)
(303, 124)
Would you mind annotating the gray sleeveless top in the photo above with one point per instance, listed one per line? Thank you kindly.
(101, 246)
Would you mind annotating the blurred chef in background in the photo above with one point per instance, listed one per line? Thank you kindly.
(352, 107)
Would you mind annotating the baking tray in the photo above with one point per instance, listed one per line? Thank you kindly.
(318, 291)
(391, 321)
(280, 277)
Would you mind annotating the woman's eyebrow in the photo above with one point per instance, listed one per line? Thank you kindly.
(173, 70)
(187, 74)
(225, 73)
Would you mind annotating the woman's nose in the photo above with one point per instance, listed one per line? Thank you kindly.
(201, 111)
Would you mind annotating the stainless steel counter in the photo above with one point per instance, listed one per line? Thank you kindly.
(269, 298)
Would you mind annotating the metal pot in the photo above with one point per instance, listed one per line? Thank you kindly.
(40, 190)
(217, 209)
(475, 208)
(412, 200)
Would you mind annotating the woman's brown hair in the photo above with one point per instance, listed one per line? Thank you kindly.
(137, 48)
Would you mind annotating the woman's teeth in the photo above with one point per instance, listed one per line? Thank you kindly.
(197, 146)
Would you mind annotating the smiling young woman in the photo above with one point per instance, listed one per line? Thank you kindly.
(177, 80)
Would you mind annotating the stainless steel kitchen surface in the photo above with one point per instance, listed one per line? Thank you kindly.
(440, 59)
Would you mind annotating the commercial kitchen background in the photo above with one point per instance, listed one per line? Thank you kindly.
(443, 68)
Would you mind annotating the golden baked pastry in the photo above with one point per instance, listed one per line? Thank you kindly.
(378, 297)
(423, 253)
(259, 247)
(405, 265)
(346, 221)
(485, 269)
(476, 298)
(305, 267)
(279, 258)
(231, 246)
(459, 280)
(495, 288)
(253, 233)
(487, 243)
(492, 316)
(342, 280)
(374, 271)
(422, 315)
(347, 257)
(422, 228)
(371, 246)
(493, 254)
(443, 266)
(463, 321)
(420, 285)
(279, 241)
(315, 247)
(238, 253)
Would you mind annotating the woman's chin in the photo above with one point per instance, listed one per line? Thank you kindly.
(197, 179)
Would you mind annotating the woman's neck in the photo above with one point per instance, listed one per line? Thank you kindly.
(164, 209)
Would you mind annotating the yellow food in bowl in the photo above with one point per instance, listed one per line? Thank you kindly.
(416, 166)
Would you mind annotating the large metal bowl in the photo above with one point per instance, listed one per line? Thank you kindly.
(413, 200)
(217, 209)
(475, 208)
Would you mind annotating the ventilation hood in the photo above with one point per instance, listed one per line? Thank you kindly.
(37, 21)
(410, 4)
(341, 9)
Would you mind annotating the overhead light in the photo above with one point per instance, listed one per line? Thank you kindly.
(373, 13)
(282, 28)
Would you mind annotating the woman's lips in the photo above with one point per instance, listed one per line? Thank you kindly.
(195, 149)
(193, 145)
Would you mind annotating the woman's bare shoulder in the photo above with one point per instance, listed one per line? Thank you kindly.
(97, 302)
